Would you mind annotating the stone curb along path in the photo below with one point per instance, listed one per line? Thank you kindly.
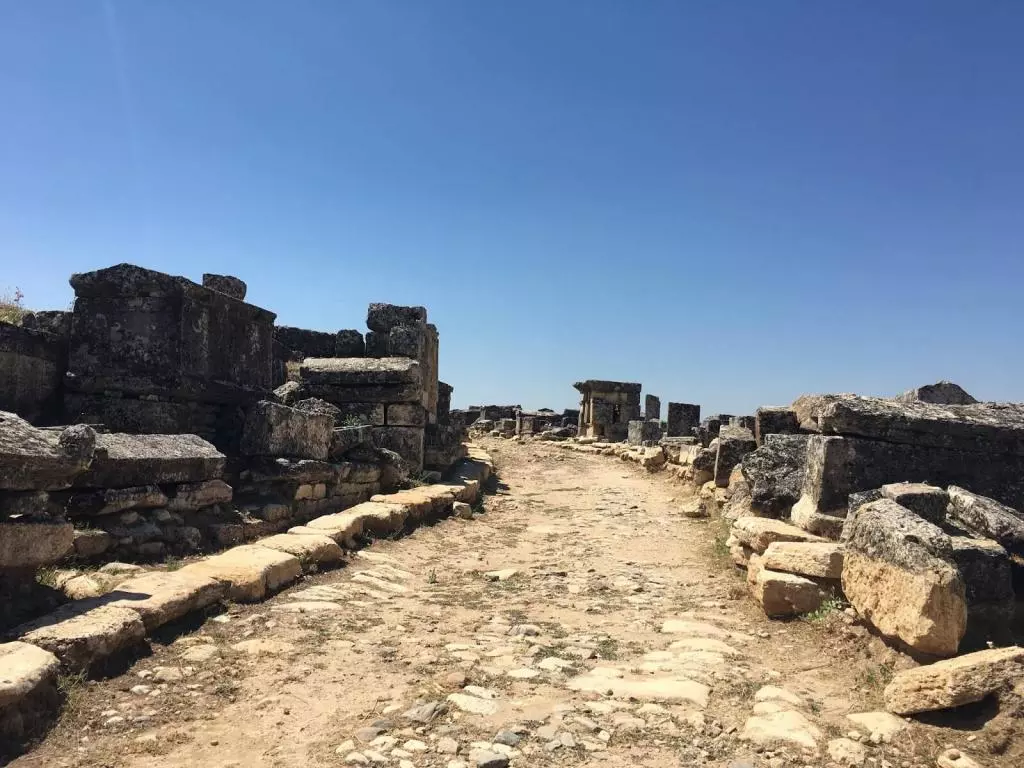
(81, 633)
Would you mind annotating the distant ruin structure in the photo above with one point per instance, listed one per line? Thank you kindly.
(607, 407)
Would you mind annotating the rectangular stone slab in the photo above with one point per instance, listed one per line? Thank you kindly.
(277, 430)
(160, 597)
(84, 632)
(123, 460)
(248, 572)
(311, 550)
(24, 669)
(982, 428)
(360, 371)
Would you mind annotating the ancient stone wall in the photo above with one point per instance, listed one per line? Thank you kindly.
(32, 366)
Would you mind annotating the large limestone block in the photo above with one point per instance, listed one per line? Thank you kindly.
(33, 458)
(823, 560)
(84, 632)
(939, 393)
(24, 670)
(32, 544)
(758, 532)
(988, 518)
(775, 473)
(954, 682)
(384, 317)
(248, 572)
(785, 594)
(192, 496)
(277, 430)
(342, 527)
(160, 597)
(987, 573)
(122, 461)
(928, 501)
(899, 573)
(774, 420)
(310, 549)
(381, 518)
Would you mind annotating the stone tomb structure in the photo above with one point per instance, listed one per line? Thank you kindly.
(607, 407)
(683, 419)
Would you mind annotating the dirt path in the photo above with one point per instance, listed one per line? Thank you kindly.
(622, 639)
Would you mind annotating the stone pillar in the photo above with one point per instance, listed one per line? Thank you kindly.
(652, 408)
(682, 418)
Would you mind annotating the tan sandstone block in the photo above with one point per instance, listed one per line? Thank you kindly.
(954, 682)
(819, 559)
(925, 609)
(417, 503)
(381, 518)
(310, 549)
(248, 571)
(163, 596)
(785, 594)
(758, 532)
(80, 634)
(340, 526)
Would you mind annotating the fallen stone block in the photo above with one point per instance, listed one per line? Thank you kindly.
(785, 594)
(160, 597)
(899, 573)
(381, 518)
(804, 516)
(342, 527)
(734, 443)
(775, 473)
(312, 550)
(32, 458)
(987, 518)
(82, 633)
(91, 542)
(653, 458)
(822, 560)
(758, 532)
(382, 318)
(28, 691)
(781, 727)
(32, 543)
(954, 682)
(112, 500)
(774, 420)
(248, 572)
(277, 430)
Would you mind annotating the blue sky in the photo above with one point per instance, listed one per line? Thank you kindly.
(730, 202)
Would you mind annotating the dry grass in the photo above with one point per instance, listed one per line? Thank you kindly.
(12, 308)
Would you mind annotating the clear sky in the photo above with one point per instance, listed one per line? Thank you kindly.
(730, 202)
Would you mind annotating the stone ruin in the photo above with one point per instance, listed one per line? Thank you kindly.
(911, 508)
(607, 408)
(163, 417)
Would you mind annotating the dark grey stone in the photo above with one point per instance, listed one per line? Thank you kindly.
(775, 473)
(349, 344)
(302, 343)
(130, 460)
(643, 432)
(860, 498)
(987, 518)
(988, 581)
(652, 408)
(376, 344)
(839, 466)
(734, 443)
(407, 442)
(383, 317)
(773, 420)
(32, 366)
(883, 530)
(344, 439)
(683, 418)
(316, 405)
(226, 284)
(407, 341)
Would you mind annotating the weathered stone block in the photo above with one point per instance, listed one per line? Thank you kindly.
(922, 499)
(349, 344)
(302, 343)
(344, 439)
(131, 460)
(682, 419)
(383, 317)
(226, 284)
(734, 443)
(84, 632)
(407, 341)
(28, 690)
(786, 594)
(652, 408)
(758, 532)
(91, 542)
(987, 574)
(954, 682)
(940, 393)
(405, 415)
(277, 430)
(407, 442)
(33, 544)
(33, 458)
(773, 420)
(160, 597)
(899, 573)
(987, 518)
(248, 572)
(643, 432)
(822, 560)
(113, 500)
(193, 496)
(839, 466)
(32, 365)
(775, 473)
